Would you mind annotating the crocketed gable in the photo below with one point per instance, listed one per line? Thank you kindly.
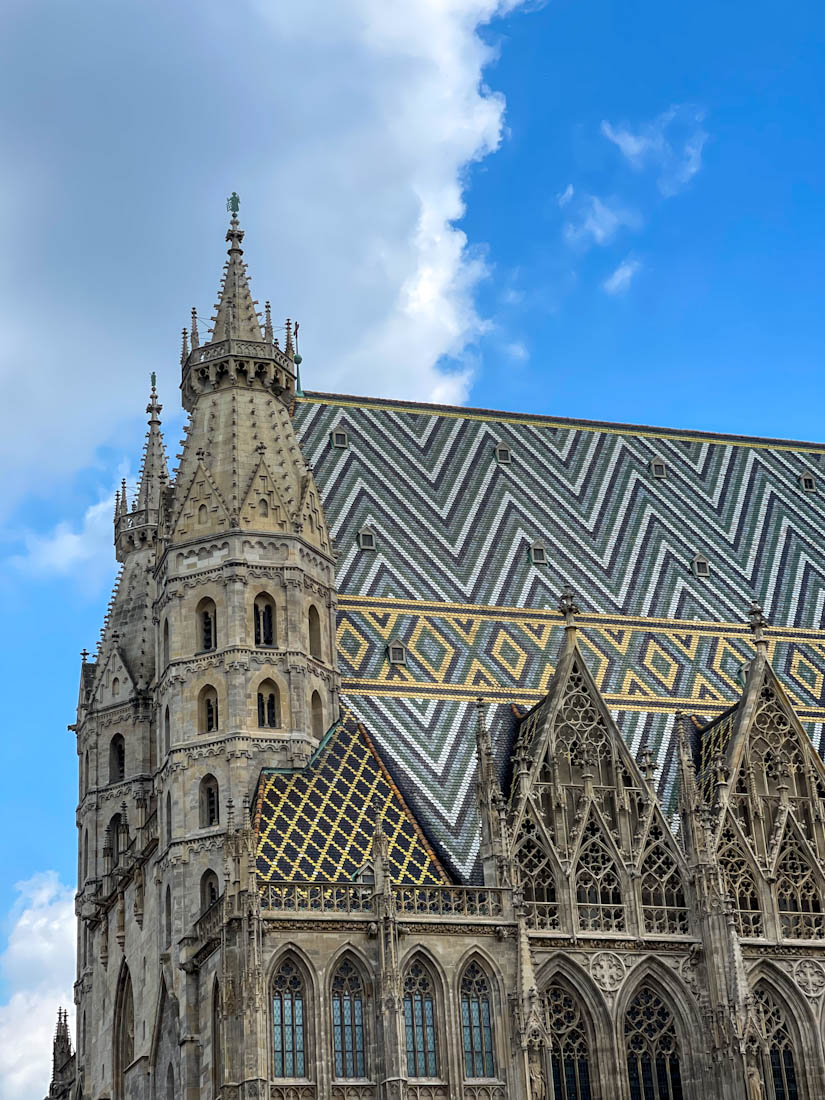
(318, 823)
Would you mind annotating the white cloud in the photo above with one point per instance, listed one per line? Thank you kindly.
(672, 144)
(38, 970)
(566, 195)
(83, 551)
(517, 351)
(597, 221)
(351, 157)
(620, 280)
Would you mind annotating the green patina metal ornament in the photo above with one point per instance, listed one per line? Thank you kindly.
(233, 203)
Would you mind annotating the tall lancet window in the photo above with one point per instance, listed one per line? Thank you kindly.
(207, 625)
(269, 705)
(652, 1049)
(264, 620)
(569, 1045)
(289, 1053)
(124, 1032)
(476, 1023)
(420, 1022)
(348, 1022)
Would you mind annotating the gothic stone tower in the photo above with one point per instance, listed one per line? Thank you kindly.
(217, 658)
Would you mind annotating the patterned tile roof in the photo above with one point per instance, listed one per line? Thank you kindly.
(714, 740)
(319, 822)
(453, 578)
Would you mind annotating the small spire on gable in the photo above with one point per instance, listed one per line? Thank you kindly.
(569, 609)
(154, 472)
(195, 338)
(758, 625)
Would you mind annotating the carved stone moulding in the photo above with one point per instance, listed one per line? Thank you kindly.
(809, 975)
(292, 1092)
(607, 970)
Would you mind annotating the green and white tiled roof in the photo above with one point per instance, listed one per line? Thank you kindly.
(452, 577)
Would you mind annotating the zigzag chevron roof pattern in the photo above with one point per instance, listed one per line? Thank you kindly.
(452, 576)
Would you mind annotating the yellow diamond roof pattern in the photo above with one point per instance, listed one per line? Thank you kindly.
(318, 824)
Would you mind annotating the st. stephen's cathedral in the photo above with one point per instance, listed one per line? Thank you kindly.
(435, 753)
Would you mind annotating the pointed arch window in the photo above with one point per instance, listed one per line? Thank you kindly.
(124, 1033)
(209, 802)
(651, 1049)
(739, 884)
(264, 620)
(348, 1045)
(317, 709)
(167, 731)
(167, 918)
(269, 705)
(778, 1063)
(288, 1021)
(598, 890)
(210, 890)
(664, 908)
(208, 710)
(476, 1023)
(206, 615)
(168, 817)
(420, 1022)
(569, 1045)
(538, 883)
(800, 901)
(117, 759)
(165, 643)
(314, 626)
(85, 854)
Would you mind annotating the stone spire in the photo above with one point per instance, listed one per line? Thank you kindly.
(236, 317)
(154, 471)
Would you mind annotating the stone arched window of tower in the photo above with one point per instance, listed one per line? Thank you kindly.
(124, 1033)
(269, 705)
(773, 1053)
(317, 709)
(739, 884)
(314, 625)
(477, 1022)
(115, 687)
(117, 759)
(168, 817)
(83, 1035)
(800, 900)
(114, 838)
(210, 890)
(348, 1003)
(569, 1044)
(420, 1021)
(170, 1073)
(165, 654)
(209, 802)
(207, 625)
(203, 515)
(291, 1056)
(265, 622)
(538, 883)
(208, 709)
(167, 731)
(651, 1049)
(664, 908)
(217, 1041)
(598, 889)
(167, 918)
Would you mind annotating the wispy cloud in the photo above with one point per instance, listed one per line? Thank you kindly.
(37, 966)
(619, 282)
(596, 221)
(672, 144)
(566, 195)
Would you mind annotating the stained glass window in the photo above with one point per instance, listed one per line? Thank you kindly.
(288, 1022)
(651, 1048)
(419, 1023)
(569, 1051)
(348, 1022)
(476, 1026)
(779, 1068)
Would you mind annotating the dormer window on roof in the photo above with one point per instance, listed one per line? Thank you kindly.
(339, 438)
(366, 538)
(397, 653)
(701, 566)
(503, 455)
(538, 554)
(808, 482)
(658, 468)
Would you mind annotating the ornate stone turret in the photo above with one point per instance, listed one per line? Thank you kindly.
(137, 527)
(63, 1061)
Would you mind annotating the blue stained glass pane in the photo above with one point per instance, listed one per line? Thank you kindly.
(408, 1028)
(276, 1010)
(570, 1076)
(466, 1037)
(633, 1077)
(476, 1016)
(432, 1064)
(488, 1038)
(790, 1075)
(420, 1062)
(647, 1078)
(778, 1079)
(337, 1036)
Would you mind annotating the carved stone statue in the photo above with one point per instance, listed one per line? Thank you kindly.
(538, 1088)
(755, 1090)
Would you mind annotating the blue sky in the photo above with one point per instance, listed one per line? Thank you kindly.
(588, 209)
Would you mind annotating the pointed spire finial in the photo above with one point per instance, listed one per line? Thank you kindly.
(290, 347)
(195, 338)
(184, 346)
(268, 334)
(758, 624)
(568, 607)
